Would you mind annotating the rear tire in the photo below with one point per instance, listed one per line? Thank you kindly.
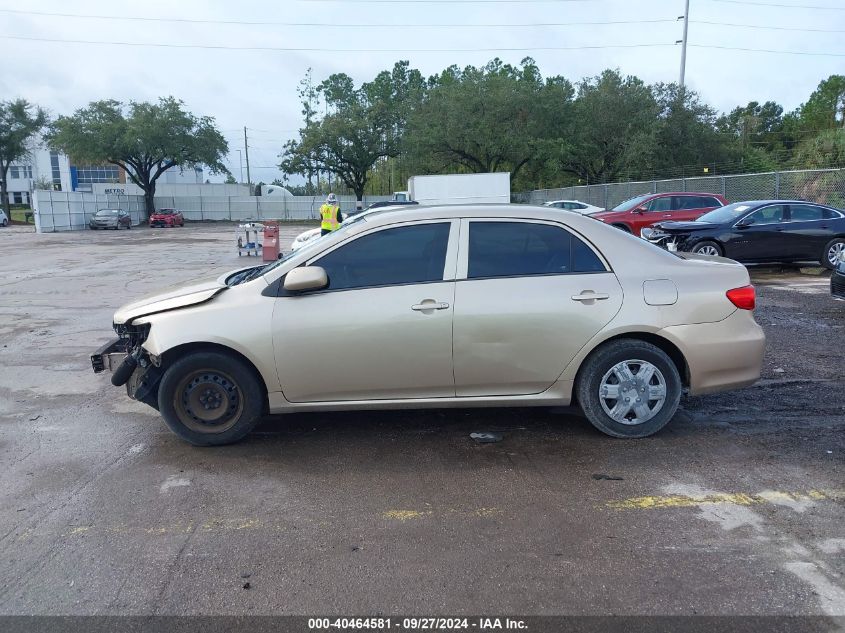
(832, 252)
(210, 399)
(614, 369)
(707, 247)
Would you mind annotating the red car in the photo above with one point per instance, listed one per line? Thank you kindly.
(167, 217)
(644, 211)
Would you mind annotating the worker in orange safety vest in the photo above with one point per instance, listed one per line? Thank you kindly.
(330, 215)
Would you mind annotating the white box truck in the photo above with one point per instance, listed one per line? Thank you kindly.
(461, 188)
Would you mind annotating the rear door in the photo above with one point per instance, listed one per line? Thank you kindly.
(808, 230)
(692, 207)
(528, 296)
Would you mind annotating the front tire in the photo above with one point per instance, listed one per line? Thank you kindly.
(210, 399)
(628, 388)
(834, 249)
(707, 247)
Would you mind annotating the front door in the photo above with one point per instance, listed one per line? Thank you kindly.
(529, 296)
(382, 329)
(759, 235)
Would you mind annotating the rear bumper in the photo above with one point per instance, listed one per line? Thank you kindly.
(721, 356)
(837, 285)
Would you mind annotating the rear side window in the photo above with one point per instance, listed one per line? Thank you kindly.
(808, 213)
(509, 249)
(401, 255)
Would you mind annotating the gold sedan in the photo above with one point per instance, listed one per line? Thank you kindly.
(452, 306)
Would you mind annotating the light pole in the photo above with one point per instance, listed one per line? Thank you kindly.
(684, 46)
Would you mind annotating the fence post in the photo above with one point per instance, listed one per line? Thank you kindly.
(724, 187)
(202, 216)
(777, 184)
(606, 195)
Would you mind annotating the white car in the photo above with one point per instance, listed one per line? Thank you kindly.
(4, 221)
(308, 237)
(573, 205)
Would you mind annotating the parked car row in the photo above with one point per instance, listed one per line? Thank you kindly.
(117, 219)
(760, 231)
(757, 231)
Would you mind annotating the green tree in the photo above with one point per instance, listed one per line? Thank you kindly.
(825, 109)
(495, 118)
(615, 126)
(19, 122)
(358, 129)
(826, 149)
(145, 139)
(685, 131)
(230, 180)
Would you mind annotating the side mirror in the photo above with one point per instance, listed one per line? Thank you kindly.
(306, 278)
(640, 210)
(745, 223)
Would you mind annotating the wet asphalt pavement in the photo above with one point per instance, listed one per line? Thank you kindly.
(737, 507)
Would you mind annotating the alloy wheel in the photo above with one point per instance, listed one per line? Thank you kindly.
(835, 253)
(707, 250)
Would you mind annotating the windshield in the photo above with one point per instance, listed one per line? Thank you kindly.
(166, 211)
(105, 212)
(726, 214)
(633, 203)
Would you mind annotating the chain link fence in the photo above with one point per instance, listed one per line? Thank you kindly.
(825, 186)
(71, 211)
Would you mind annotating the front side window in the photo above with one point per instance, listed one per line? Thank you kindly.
(767, 215)
(660, 204)
(508, 249)
(401, 255)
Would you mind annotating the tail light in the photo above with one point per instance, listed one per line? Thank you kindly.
(743, 298)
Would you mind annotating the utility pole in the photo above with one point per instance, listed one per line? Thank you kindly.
(683, 42)
(241, 160)
(246, 151)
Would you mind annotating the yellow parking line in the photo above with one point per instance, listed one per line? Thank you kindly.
(407, 515)
(655, 502)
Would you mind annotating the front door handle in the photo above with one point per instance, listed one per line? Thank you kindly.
(588, 296)
(430, 304)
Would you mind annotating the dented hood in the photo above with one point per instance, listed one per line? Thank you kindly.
(180, 297)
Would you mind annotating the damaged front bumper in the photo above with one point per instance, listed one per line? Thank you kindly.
(109, 356)
(130, 364)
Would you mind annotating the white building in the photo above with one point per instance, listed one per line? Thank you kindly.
(42, 166)
(46, 168)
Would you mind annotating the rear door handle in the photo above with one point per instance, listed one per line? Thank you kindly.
(589, 295)
(428, 304)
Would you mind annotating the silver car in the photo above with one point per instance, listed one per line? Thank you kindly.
(455, 306)
(110, 219)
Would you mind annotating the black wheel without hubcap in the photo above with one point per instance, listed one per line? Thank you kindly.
(833, 251)
(628, 388)
(707, 248)
(210, 398)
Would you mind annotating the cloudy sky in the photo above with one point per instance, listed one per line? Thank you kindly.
(240, 62)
